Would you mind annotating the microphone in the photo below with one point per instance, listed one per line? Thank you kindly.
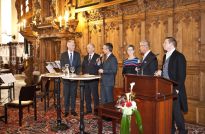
(100, 59)
(101, 56)
(157, 54)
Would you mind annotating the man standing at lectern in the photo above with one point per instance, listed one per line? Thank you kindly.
(174, 68)
(72, 58)
(149, 63)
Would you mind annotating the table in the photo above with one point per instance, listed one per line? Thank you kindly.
(81, 78)
(108, 110)
(56, 76)
(5, 71)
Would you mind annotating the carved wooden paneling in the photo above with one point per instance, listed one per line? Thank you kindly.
(193, 86)
(119, 78)
(132, 34)
(95, 36)
(156, 31)
(112, 35)
(202, 52)
(187, 34)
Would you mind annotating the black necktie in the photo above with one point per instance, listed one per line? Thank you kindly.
(89, 59)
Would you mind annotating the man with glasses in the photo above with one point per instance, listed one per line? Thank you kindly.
(149, 62)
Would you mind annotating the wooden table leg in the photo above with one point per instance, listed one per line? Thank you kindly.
(100, 125)
(114, 126)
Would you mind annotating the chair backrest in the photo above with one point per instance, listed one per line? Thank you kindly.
(47, 85)
(27, 93)
(36, 79)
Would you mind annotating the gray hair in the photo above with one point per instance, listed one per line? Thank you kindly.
(91, 44)
(145, 43)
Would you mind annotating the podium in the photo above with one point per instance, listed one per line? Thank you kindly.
(154, 97)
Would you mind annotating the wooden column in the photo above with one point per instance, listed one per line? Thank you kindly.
(121, 31)
(63, 47)
(143, 36)
(202, 52)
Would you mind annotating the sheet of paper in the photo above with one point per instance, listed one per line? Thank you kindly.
(50, 68)
(7, 78)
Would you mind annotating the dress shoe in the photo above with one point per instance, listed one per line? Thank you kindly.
(74, 113)
(66, 114)
(88, 112)
(107, 119)
(95, 111)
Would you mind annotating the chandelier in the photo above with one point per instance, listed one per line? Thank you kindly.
(66, 22)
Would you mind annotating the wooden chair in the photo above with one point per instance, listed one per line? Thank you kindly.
(43, 93)
(27, 97)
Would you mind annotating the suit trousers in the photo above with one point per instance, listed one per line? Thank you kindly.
(178, 118)
(91, 87)
(106, 94)
(69, 92)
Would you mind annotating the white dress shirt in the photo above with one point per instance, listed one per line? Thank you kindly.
(145, 55)
(168, 54)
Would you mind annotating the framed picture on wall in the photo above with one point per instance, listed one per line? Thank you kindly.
(82, 3)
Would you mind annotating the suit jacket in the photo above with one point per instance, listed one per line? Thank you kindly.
(76, 60)
(90, 67)
(177, 72)
(149, 64)
(109, 67)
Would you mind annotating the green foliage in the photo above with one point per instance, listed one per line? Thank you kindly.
(138, 120)
(125, 125)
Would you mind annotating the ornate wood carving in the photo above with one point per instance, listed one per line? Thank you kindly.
(122, 24)
(186, 18)
(185, 2)
(93, 15)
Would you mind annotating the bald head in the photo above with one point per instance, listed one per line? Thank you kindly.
(144, 46)
(90, 48)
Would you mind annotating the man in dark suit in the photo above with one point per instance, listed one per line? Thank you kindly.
(174, 68)
(72, 58)
(149, 63)
(108, 71)
(89, 66)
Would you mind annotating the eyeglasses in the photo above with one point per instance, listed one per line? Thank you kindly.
(130, 50)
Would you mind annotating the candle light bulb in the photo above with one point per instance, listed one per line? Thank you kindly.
(66, 17)
(24, 23)
(60, 20)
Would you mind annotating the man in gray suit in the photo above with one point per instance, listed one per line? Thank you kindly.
(108, 71)
(72, 58)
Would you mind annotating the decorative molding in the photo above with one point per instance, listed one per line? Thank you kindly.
(186, 18)
(111, 26)
(132, 23)
(93, 15)
(101, 5)
(185, 2)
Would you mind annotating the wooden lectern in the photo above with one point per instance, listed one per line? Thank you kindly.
(154, 97)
